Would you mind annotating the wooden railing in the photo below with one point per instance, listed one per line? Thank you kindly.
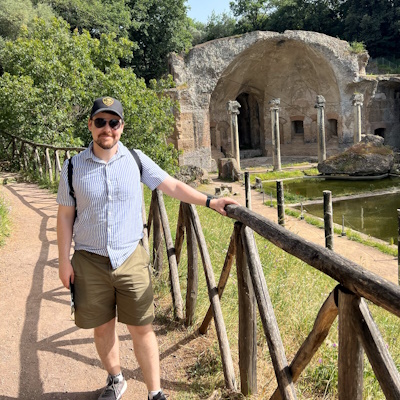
(30, 157)
(357, 329)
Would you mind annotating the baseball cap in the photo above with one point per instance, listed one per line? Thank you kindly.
(107, 104)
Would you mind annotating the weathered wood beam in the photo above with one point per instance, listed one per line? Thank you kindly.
(173, 267)
(247, 341)
(270, 325)
(377, 352)
(351, 355)
(227, 364)
(325, 318)
(226, 269)
(357, 279)
(158, 250)
(193, 269)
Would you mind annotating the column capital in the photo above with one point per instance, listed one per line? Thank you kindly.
(357, 99)
(274, 103)
(320, 101)
(232, 107)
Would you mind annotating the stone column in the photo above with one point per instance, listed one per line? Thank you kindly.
(233, 110)
(320, 106)
(276, 144)
(358, 101)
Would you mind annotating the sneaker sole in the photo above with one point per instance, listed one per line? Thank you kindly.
(123, 390)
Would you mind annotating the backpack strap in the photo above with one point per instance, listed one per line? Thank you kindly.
(137, 159)
(71, 188)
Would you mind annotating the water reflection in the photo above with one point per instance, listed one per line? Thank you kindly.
(375, 216)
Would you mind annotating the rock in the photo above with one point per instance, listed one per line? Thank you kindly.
(228, 169)
(193, 175)
(368, 157)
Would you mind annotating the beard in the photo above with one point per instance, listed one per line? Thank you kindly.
(108, 144)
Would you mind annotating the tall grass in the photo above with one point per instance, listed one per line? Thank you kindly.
(297, 292)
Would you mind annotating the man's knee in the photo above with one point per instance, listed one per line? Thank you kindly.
(140, 331)
(105, 329)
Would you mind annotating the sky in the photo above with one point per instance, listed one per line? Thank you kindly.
(202, 9)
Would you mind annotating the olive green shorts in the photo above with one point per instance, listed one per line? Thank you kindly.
(102, 292)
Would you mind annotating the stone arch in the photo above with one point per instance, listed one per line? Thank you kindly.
(295, 66)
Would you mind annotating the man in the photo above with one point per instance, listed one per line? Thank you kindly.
(109, 268)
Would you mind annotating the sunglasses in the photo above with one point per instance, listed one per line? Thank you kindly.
(101, 123)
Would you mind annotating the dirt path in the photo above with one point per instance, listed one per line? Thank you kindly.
(43, 354)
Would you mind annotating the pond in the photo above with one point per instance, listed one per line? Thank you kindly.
(373, 215)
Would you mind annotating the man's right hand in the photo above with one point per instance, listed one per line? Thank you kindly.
(66, 273)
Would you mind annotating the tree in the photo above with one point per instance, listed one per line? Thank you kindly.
(219, 26)
(310, 15)
(158, 28)
(376, 23)
(95, 16)
(253, 14)
(52, 77)
(16, 14)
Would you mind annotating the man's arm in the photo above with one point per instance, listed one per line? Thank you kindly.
(65, 222)
(179, 190)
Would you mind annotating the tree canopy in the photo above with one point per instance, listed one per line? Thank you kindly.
(51, 77)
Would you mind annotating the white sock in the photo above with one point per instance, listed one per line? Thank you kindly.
(119, 376)
(153, 393)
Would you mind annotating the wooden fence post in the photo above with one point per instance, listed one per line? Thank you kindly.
(325, 318)
(180, 233)
(193, 269)
(281, 202)
(227, 364)
(377, 352)
(328, 219)
(247, 342)
(247, 189)
(58, 164)
(48, 161)
(158, 251)
(226, 269)
(351, 362)
(38, 162)
(173, 268)
(268, 319)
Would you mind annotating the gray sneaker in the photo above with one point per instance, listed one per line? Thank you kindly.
(159, 396)
(114, 389)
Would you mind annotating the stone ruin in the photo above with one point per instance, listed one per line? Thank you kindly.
(295, 67)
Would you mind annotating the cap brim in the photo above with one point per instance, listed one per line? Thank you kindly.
(107, 110)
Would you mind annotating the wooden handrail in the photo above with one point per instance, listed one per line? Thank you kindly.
(352, 276)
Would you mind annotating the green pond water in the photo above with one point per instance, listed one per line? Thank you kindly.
(375, 216)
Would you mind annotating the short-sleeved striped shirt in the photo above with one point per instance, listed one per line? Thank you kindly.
(109, 201)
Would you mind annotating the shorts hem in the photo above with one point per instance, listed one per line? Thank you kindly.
(142, 322)
(93, 324)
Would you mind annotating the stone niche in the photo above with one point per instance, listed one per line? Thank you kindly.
(252, 69)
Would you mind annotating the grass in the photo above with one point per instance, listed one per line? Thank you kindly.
(284, 174)
(4, 221)
(297, 292)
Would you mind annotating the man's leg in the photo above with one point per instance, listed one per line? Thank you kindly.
(146, 351)
(107, 345)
